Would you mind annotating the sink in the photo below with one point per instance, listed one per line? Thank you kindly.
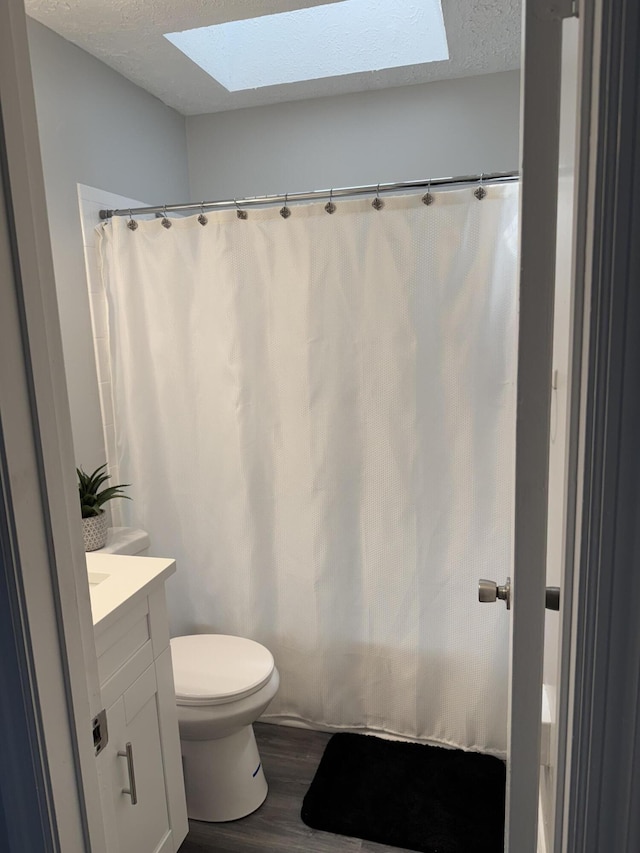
(119, 581)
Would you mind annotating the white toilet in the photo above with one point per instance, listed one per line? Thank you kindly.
(222, 684)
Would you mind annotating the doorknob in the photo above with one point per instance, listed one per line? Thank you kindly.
(489, 591)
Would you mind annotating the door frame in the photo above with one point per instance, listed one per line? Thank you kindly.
(45, 564)
(599, 701)
(603, 754)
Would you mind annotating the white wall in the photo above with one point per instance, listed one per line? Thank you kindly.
(96, 128)
(452, 127)
(91, 202)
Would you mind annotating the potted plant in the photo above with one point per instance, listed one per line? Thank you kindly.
(92, 498)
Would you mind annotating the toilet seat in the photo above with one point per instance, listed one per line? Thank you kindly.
(215, 669)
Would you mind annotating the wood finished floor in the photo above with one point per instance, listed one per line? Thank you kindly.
(290, 758)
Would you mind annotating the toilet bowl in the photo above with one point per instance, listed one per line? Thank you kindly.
(222, 684)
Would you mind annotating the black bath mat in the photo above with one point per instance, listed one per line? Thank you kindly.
(408, 795)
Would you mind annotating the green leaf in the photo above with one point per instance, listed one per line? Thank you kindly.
(90, 494)
(90, 511)
(109, 494)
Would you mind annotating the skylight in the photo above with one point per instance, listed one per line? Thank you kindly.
(346, 37)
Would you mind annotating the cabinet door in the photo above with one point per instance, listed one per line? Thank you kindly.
(143, 826)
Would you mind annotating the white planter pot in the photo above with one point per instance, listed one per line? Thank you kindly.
(95, 531)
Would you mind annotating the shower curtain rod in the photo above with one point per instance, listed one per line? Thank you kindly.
(485, 178)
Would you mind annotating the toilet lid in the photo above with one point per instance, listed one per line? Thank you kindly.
(211, 669)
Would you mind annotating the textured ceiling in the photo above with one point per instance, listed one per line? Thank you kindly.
(483, 37)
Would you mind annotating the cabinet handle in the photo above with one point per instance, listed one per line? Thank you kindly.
(131, 790)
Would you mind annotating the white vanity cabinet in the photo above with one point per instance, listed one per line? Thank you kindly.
(134, 760)
(140, 767)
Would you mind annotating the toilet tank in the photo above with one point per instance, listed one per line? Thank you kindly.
(126, 540)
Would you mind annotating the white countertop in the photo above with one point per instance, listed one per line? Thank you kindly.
(116, 579)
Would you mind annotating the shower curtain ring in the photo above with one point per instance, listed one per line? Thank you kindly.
(131, 224)
(427, 198)
(285, 212)
(166, 222)
(377, 203)
(202, 219)
(241, 214)
(330, 206)
(480, 192)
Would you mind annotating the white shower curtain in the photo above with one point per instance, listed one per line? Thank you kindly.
(317, 419)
